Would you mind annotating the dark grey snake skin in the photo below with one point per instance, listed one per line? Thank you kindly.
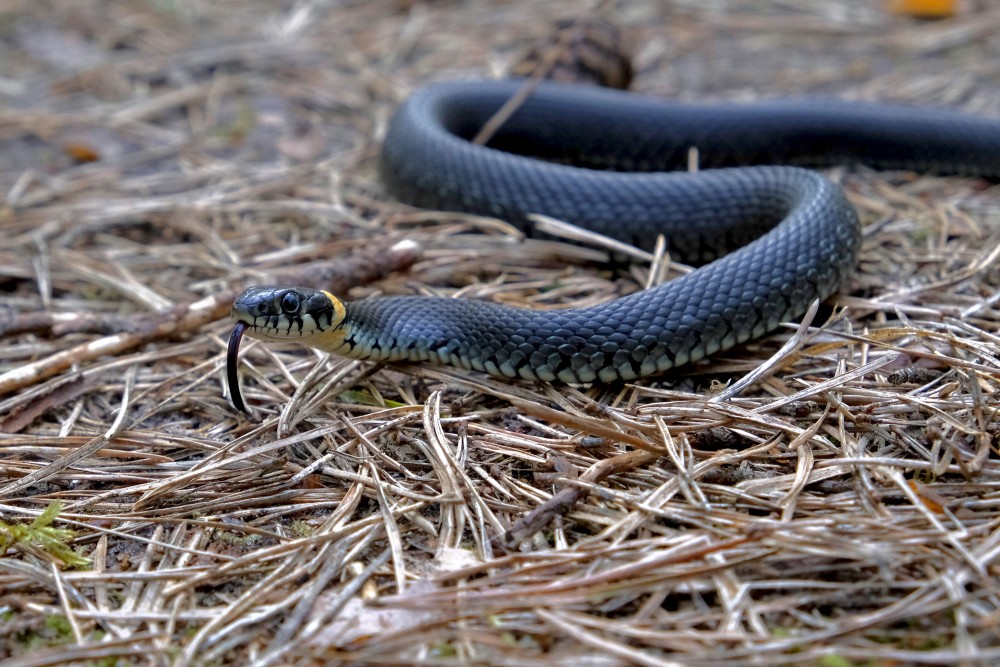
(790, 234)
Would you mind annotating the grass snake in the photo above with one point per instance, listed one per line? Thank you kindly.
(768, 239)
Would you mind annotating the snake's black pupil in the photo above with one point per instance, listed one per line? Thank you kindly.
(290, 303)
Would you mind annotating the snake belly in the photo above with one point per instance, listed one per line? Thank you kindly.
(768, 239)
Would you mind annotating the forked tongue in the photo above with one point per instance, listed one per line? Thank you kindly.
(232, 359)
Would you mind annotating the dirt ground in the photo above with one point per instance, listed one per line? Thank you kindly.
(159, 156)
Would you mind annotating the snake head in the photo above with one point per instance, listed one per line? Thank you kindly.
(289, 313)
(314, 317)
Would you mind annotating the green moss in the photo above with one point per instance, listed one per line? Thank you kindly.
(236, 539)
(112, 662)
(444, 650)
(237, 129)
(56, 632)
(300, 528)
(41, 534)
(60, 625)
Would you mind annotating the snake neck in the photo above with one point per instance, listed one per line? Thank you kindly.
(386, 329)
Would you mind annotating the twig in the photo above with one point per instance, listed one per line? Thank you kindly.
(562, 502)
(504, 113)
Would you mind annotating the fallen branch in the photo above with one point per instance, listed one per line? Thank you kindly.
(337, 275)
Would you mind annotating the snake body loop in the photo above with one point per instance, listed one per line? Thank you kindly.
(770, 239)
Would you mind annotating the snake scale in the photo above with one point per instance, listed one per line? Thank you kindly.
(768, 239)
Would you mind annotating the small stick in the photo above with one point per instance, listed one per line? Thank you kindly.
(565, 500)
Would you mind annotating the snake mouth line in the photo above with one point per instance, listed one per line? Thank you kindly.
(232, 366)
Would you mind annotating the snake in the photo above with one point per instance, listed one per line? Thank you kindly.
(768, 234)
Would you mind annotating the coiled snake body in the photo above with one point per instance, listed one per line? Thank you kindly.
(774, 237)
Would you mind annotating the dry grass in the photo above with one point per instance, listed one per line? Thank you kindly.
(841, 510)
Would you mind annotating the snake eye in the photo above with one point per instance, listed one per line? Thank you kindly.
(290, 303)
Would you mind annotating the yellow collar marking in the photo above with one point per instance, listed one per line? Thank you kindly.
(333, 338)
